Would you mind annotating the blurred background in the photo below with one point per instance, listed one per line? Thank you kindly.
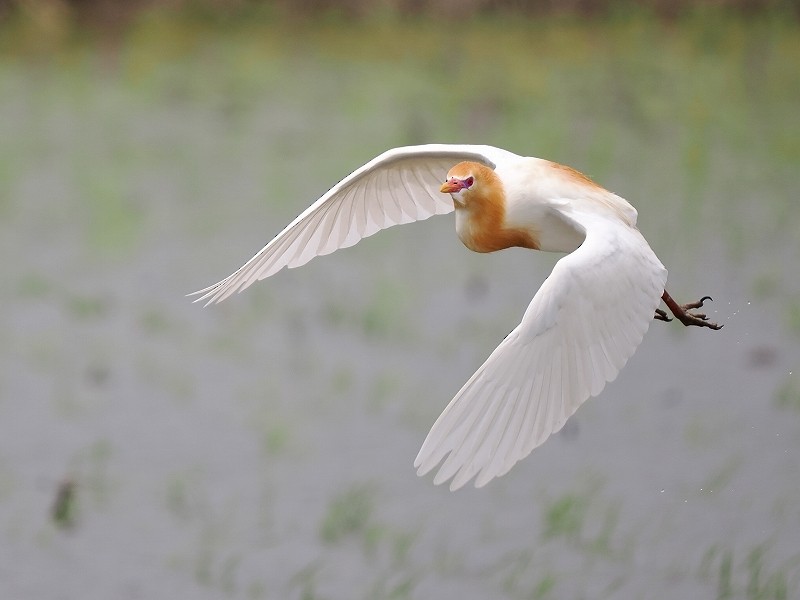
(263, 448)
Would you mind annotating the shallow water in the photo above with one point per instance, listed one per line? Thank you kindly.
(262, 448)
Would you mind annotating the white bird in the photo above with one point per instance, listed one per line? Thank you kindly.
(579, 330)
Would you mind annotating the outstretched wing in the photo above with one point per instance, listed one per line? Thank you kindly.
(580, 329)
(399, 186)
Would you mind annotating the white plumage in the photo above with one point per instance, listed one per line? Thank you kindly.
(581, 327)
(399, 186)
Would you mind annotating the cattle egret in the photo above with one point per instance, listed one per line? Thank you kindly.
(579, 330)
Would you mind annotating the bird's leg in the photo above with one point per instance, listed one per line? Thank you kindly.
(683, 314)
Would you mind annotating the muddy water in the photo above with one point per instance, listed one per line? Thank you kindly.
(263, 448)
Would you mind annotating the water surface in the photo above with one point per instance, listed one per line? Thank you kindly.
(263, 448)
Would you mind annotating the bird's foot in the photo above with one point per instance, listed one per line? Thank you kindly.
(662, 316)
(684, 312)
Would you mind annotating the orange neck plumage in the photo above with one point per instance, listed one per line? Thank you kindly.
(480, 220)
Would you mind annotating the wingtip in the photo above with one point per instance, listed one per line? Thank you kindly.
(199, 297)
(423, 463)
(423, 468)
(456, 482)
(455, 487)
(211, 295)
(214, 294)
(483, 479)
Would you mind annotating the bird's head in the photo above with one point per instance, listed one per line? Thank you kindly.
(468, 181)
(480, 202)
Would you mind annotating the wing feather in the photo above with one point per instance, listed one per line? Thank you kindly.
(506, 448)
(399, 186)
(580, 329)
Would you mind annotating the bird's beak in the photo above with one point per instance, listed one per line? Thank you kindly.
(452, 185)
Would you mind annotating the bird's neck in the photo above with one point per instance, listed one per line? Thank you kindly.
(481, 224)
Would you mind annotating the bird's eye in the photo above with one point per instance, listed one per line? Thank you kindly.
(469, 181)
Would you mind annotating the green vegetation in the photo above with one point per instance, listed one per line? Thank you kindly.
(123, 155)
(788, 394)
(348, 513)
(748, 577)
(65, 506)
(679, 104)
(565, 516)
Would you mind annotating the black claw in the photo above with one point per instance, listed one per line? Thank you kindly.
(695, 305)
(662, 316)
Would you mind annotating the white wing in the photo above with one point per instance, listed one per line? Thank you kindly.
(580, 329)
(399, 186)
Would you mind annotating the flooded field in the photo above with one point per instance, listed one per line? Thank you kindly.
(263, 448)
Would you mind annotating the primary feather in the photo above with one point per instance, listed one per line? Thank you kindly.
(582, 326)
(399, 186)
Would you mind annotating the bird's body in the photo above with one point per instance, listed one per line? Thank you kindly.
(526, 203)
(582, 326)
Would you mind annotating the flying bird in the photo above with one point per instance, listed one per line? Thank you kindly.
(579, 330)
